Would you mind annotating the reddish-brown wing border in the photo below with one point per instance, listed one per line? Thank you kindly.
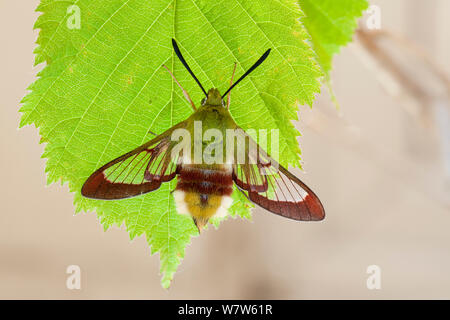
(98, 186)
(281, 192)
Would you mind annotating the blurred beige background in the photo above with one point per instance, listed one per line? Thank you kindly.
(378, 170)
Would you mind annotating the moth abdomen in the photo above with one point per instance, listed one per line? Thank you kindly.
(206, 188)
(203, 192)
(195, 173)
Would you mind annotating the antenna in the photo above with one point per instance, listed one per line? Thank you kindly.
(180, 56)
(253, 67)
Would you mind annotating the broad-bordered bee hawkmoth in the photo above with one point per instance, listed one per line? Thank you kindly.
(204, 187)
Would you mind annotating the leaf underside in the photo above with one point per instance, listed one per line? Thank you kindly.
(331, 25)
(103, 90)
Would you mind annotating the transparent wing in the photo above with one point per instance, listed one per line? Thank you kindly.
(269, 185)
(136, 172)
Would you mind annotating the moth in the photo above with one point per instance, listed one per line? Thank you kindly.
(204, 188)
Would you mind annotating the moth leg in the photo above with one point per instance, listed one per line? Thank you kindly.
(231, 83)
(149, 131)
(186, 95)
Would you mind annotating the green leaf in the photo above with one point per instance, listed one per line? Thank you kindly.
(331, 25)
(103, 89)
(239, 208)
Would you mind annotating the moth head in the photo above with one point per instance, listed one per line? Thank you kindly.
(213, 98)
